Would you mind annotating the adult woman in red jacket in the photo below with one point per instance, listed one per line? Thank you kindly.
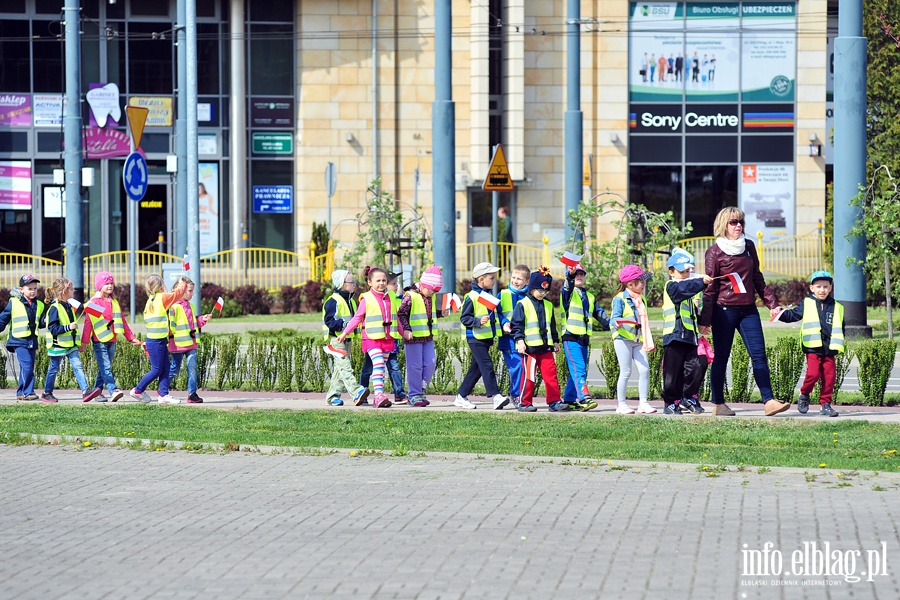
(728, 309)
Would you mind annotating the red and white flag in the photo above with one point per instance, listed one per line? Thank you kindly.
(570, 259)
(780, 312)
(220, 304)
(186, 263)
(737, 284)
(620, 322)
(335, 352)
(488, 300)
(75, 304)
(95, 310)
(450, 302)
(529, 363)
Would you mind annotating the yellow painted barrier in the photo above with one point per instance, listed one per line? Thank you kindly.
(13, 266)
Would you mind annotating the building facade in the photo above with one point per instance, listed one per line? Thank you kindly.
(687, 106)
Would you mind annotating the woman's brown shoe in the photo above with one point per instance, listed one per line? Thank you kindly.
(722, 410)
(773, 407)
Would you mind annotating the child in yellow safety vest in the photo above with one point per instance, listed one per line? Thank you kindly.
(631, 337)
(680, 333)
(62, 340)
(156, 319)
(392, 362)
(336, 313)
(183, 333)
(416, 315)
(103, 322)
(537, 339)
(822, 337)
(380, 328)
(24, 314)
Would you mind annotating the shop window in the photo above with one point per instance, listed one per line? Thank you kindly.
(272, 60)
(272, 230)
(48, 50)
(150, 61)
(767, 148)
(15, 63)
(655, 149)
(708, 189)
(711, 149)
(208, 65)
(279, 11)
(656, 187)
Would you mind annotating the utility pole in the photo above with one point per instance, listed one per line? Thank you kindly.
(849, 163)
(72, 153)
(444, 148)
(193, 174)
(181, 141)
(574, 123)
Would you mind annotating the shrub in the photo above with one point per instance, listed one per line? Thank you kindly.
(291, 299)
(656, 375)
(786, 362)
(790, 291)
(609, 366)
(4, 298)
(313, 295)
(122, 293)
(211, 291)
(876, 359)
(741, 373)
(253, 300)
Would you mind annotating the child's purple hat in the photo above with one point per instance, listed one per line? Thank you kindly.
(632, 272)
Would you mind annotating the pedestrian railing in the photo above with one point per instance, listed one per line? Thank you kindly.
(271, 269)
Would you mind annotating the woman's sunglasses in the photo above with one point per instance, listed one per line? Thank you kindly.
(736, 222)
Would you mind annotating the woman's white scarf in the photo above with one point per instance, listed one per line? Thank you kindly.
(732, 247)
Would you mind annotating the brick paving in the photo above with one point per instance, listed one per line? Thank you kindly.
(107, 522)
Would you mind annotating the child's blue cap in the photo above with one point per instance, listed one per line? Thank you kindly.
(821, 275)
(681, 261)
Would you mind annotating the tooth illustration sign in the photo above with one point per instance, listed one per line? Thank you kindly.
(104, 103)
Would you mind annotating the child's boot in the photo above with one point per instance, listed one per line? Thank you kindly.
(827, 411)
(803, 403)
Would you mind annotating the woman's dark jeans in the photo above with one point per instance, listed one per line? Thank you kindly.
(745, 320)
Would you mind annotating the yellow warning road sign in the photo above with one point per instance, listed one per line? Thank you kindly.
(588, 170)
(498, 178)
(137, 116)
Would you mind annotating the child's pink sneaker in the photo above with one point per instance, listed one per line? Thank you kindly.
(381, 401)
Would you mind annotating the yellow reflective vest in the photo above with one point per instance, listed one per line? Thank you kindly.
(419, 319)
(342, 310)
(69, 339)
(628, 332)
(375, 322)
(156, 319)
(180, 328)
(533, 334)
(19, 325)
(811, 328)
(101, 326)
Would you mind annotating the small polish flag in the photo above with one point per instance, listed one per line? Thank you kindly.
(780, 312)
(186, 263)
(570, 259)
(75, 304)
(94, 310)
(737, 284)
(450, 302)
(622, 322)
(488, 300)
(529, 363)
(335, 352)
(220, 303)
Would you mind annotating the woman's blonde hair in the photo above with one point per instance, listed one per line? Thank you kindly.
(59, 286)
(154, 284)
(720, 227)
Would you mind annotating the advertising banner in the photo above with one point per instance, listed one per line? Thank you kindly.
(49, 110)
(209, 208)
(15, 110)
(712, 52)
(656, 35)
(768, 52)
(160, 112)
(272, 112)
(767, 199)
(15, 185)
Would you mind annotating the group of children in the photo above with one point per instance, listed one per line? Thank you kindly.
(524, 325)
(523, 322)
(172, 331)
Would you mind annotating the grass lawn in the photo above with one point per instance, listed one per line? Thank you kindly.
(849, 445)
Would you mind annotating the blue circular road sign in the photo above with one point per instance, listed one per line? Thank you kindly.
(135, 176)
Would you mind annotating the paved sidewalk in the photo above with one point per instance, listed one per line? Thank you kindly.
(116, 523)
(311, 400)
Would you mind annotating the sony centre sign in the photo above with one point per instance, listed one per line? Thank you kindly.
(658, 118)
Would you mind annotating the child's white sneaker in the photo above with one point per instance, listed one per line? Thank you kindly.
(624, 409)
(461, 402)
(167, 399)
(644, 408)
(500, 401)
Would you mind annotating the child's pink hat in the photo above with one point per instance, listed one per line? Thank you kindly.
(632, 272)
(432, 279)
(102, 278)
